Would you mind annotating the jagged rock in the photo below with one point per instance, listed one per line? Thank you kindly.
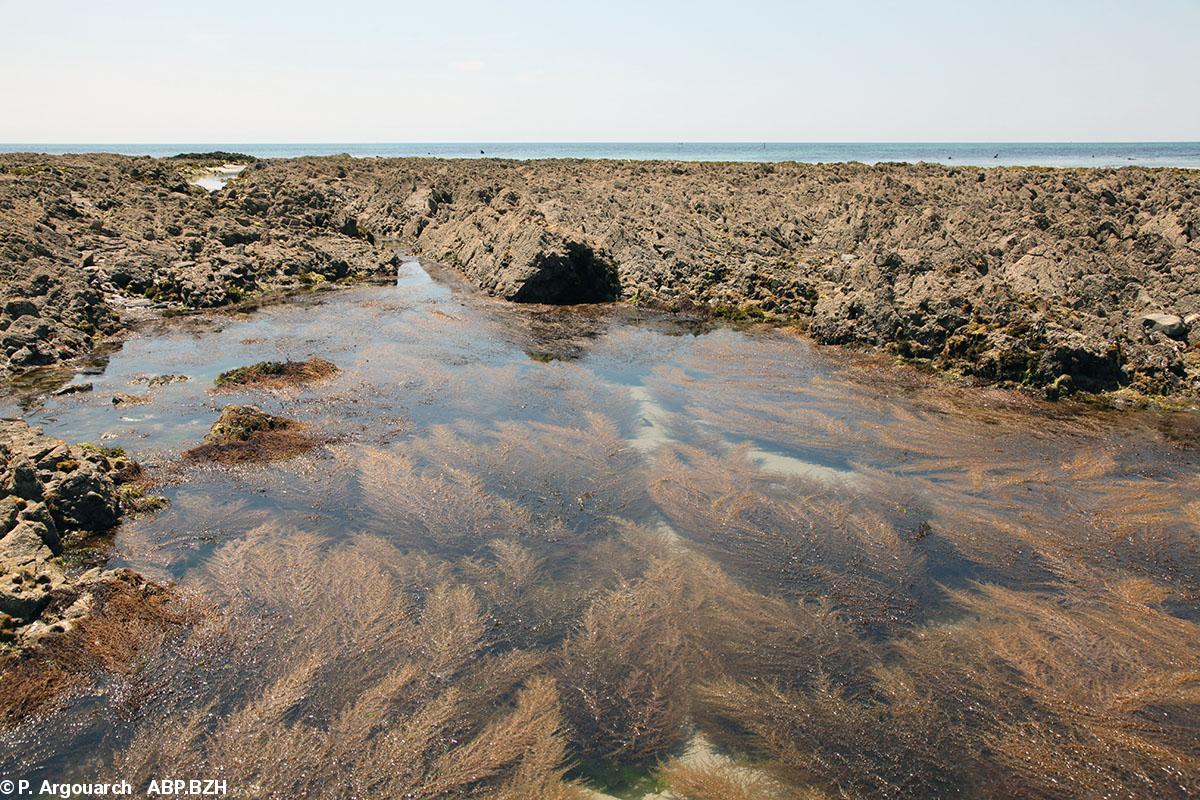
(525, 261)
(10, 509)
(44, 524)
(25, 544)
(28, 571)
(21, 479)
(85, 500)
(1047, 263)
(563, 272)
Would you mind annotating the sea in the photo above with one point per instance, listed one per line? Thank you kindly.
(1004, 154)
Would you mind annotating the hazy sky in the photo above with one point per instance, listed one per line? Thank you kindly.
(459, 70)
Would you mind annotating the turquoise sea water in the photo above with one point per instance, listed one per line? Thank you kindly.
(1056, 154)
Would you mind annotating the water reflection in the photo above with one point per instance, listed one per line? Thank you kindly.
(214, 179)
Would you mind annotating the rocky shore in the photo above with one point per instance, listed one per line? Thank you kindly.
(65, 618)
(88, 241)
(54, 499)
(1055, 279)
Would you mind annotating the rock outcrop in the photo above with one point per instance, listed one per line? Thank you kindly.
(243, 434)
(1054, 279)
(86, 239)
(53, 496)
(1039, 277)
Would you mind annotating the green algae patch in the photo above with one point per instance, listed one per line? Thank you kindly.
(621, 779)
(137, 501)
(107, 452)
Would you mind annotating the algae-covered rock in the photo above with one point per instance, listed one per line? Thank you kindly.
(155, 381)
(239, 423)
(277, 374)
(246, 433)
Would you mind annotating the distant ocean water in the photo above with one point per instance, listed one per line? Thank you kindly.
(1050, 154)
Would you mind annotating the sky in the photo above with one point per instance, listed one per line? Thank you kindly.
(125, 71)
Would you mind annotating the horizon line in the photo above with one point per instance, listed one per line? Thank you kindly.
(630, 141)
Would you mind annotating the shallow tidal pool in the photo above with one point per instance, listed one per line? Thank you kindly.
(553, 552)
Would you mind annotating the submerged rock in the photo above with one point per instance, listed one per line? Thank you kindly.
(122, 399)
(73, 388)
(156, 381)
(98, 621)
